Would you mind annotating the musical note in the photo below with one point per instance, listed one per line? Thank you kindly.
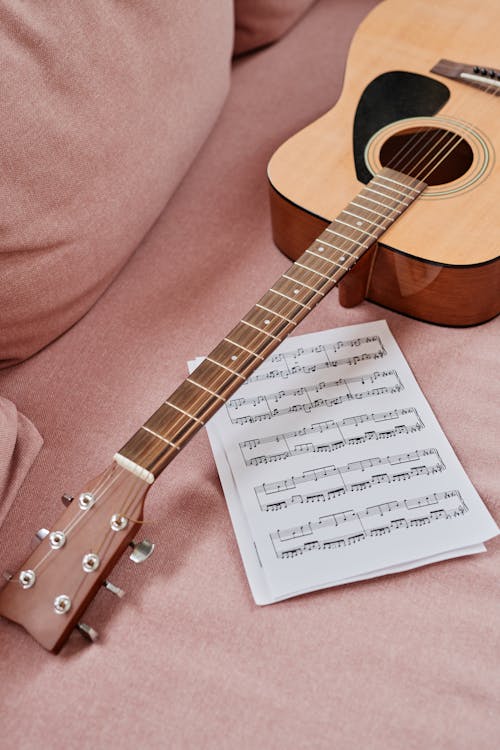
(289, 483)
(358, 526)
(238, 414)
(330, 449)
(291, 358)
(347, 432)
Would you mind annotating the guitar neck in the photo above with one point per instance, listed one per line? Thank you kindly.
(323, 264)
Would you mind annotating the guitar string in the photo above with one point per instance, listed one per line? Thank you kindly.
(144, 441)
(420, 175)
(106, 482)
(101, 489)
(142, 447)
(457, 104)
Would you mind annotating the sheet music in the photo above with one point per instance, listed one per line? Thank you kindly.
(335, 468)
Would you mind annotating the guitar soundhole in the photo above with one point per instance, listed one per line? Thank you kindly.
(435, 155)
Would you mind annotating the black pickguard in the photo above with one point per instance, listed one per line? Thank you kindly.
(390, 97)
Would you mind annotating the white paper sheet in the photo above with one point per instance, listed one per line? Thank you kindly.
(335, 469)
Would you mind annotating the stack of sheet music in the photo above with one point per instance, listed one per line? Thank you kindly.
(335, 469)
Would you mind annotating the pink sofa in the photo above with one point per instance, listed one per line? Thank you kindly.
(186, 659)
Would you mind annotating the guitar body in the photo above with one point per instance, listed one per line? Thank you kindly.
(440, 261)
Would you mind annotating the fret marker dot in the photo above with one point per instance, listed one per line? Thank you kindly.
(234, 356)
(320, 249)
(295, 291)
(266, 322)
(359, 223)
(342, 257)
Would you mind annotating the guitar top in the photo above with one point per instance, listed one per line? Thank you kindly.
(412, 68)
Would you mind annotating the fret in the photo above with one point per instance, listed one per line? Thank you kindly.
(379, 203)
(363, 220)
(269, 325)
(387, 187)
(240, 346)
(319, 273)
(160, 437)
(293, 323)
(339, 266)
(371, 190)
(306, 276)
(274, 291)
(349, 239)
(252, 346)
(313, 289)
(356, 229)
(334, 247)
(182, 411)
(401, 184)
(371, 210)
(212, 376)
(203, 387)
(256, 328)
(324, 242)
(148, 451)
(344, 253)
(228, 369)
(191, 401)
(260, 331)
(282, 306)
(321, 264)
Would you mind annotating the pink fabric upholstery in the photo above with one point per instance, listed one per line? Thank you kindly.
(187, 660)
(104, 106)
(20, 443)
(259, 22)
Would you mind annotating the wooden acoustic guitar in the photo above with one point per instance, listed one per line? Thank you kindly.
(412, 68)
(408, 154)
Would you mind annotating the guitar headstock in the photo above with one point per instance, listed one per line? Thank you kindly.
(50, 592)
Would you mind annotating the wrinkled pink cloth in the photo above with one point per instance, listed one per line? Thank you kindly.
(20, 443)
(260, 22)
(104, 106)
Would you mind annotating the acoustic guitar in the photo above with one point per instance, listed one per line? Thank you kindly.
(408, 154)
(419, 76)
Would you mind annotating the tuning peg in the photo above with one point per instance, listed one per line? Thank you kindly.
(87, 631)
(141, 550)
(8, 575)
(67, 499)
(116, 590)
(41, 534)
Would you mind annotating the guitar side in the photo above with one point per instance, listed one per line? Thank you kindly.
(440, 262)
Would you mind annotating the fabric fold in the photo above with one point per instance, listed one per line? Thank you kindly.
(20, 443)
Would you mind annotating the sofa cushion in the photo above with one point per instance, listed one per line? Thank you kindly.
(259, 22)
(104, 106)
(20, 443)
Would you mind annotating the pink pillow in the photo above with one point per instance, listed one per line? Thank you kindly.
(260, 22)
(104, 106)
(20, 442)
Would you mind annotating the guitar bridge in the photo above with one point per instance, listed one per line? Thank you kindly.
(486, 79)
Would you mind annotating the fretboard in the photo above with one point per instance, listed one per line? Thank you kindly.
(271, 319)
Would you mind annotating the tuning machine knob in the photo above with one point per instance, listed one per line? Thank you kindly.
(41, 534)
(116, 590)
(67, 499)
(141, 550)
(87, 631)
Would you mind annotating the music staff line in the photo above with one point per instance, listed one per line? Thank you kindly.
(321, 365)
(362, 484)
(363, 531)
(293, 354)
(283, 449)
(272, 398)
